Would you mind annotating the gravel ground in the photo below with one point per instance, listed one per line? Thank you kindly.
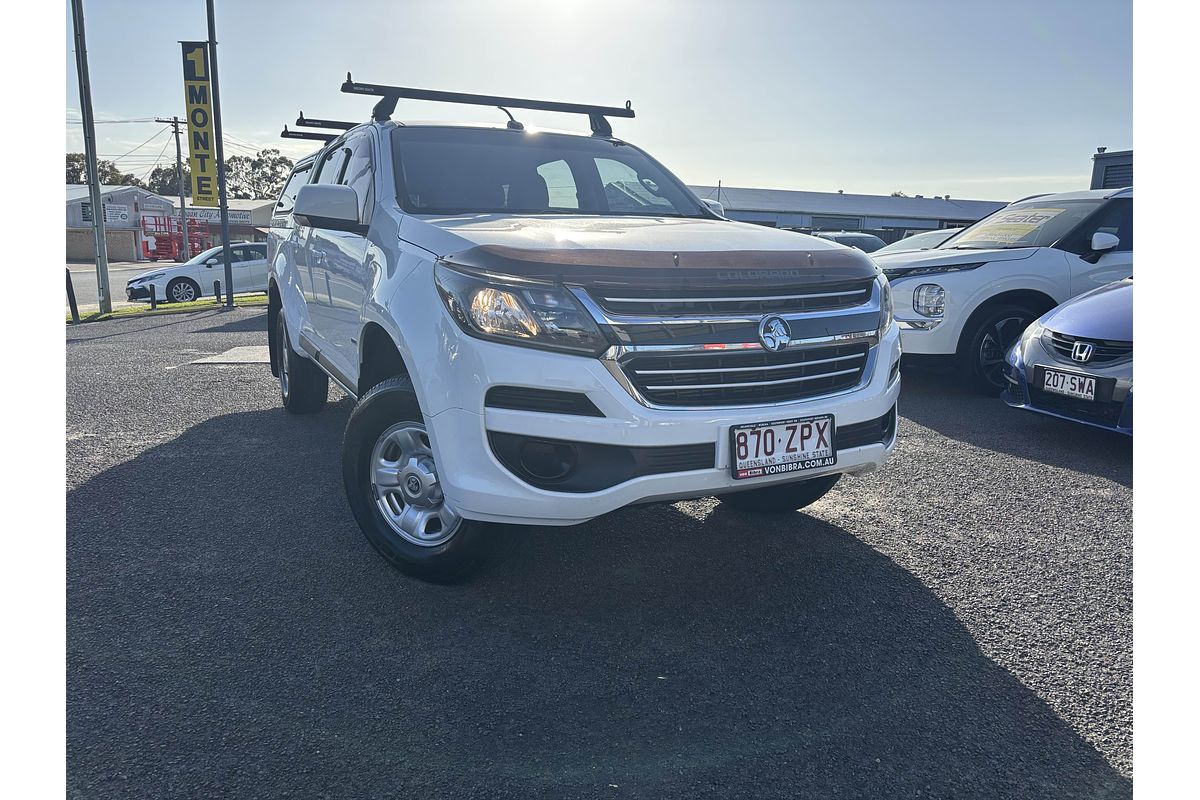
(955, 625)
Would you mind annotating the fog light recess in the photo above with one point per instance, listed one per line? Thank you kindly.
(548, 461)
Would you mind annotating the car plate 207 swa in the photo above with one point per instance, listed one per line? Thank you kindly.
(777, 448)
(1069, 384)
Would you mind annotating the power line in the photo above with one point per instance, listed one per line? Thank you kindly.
(157, 158)
(113, 121)
(143, 144)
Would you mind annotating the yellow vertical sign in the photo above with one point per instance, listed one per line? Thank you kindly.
(202, 147)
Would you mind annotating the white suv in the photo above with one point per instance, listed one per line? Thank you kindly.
(542, 327)
(970, 297)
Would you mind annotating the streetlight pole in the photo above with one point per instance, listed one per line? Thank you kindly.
(217, 133)
(89, 148)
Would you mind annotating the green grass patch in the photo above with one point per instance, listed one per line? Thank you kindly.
(240, 301)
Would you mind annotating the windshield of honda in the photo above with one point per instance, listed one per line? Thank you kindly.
(1038, 223)
(488, 171)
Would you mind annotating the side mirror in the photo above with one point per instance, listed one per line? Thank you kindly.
(212, 262)
(1103, 242)
(327, 206)
(715, 207)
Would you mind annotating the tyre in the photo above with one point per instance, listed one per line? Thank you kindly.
(183, 290)
(782, 498)
(303, 387)
(392, 484)
(986, 341)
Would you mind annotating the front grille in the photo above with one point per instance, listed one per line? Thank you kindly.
(1099, 412)
(745, 377)
(1105, 351)
(695, 302)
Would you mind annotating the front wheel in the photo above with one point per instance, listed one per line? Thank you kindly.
(395, 491)
(782, 498)
(986, 343)
(183, 290)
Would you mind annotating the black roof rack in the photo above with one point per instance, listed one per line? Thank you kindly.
(390, 94)
(310, 122)
(320, 137)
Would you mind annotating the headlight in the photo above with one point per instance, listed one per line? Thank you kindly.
(929, 300)
(519, 312)
(887, 308)
(1034, 331)
(153, 277)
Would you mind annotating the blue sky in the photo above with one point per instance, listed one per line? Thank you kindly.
(977, 100)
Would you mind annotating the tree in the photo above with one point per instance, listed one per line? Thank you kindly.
(107, 170)
(162, 181)
(257, 176)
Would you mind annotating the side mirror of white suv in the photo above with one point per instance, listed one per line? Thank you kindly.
(1102, 242)
(327, 206)
(714, 206)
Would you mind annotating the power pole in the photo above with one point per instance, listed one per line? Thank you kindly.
(175, 122)
(222, 197)
(89, 147)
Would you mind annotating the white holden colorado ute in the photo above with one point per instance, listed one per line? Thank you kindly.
(542, 327)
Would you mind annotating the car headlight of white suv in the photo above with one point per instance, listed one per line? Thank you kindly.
(515, 311)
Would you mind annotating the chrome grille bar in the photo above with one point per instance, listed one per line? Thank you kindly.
(750, 369)
(682, 386)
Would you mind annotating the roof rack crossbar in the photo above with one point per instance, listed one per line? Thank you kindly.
(320, 137)
(312, 122)
(390, 94)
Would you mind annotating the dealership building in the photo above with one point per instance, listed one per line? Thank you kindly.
(132, 216)
(124, 207)
(889, 218)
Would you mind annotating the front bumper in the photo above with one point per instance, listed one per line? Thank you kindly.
(1115, 414)
(480, 487)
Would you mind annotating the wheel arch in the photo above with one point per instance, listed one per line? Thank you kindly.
(1036, 300)
(379, 357)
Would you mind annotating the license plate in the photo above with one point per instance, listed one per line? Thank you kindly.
(776, 448)
(1069, 384)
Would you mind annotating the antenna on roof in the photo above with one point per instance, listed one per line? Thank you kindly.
(389, 95)
(513, 125)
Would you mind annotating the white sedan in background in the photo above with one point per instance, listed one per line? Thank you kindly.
(194, 278)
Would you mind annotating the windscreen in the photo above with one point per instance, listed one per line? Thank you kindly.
(488, 171)
(1037, 223)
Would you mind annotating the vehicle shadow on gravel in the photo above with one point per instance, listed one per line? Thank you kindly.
(940, 402)
(246, 324)
(231, 633)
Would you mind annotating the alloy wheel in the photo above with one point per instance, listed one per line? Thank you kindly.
(994, 345)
